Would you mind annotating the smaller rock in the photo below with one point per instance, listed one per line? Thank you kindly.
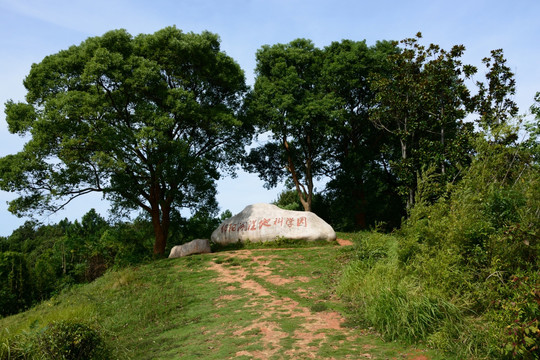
(197, 246)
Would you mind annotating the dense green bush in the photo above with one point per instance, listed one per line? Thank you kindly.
(68, 340)
(61, 340)
(488, 230)
(462, 273)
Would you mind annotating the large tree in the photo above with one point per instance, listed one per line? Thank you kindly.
(148, 121)
(289, 104)
(421, 103)
(361, 189)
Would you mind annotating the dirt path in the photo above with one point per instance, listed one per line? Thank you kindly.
(286, 325)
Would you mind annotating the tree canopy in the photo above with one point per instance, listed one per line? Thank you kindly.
(151, 121)
(148, 121)
(420, 103)
(289, 102)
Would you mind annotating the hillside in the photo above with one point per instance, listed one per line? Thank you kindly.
(256, 303)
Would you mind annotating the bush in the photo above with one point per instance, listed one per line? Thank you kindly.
(69, 340)
(519, 316)
(478, 247)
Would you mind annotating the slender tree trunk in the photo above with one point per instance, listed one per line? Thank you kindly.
(309, 176)
(359, 201)
(305, 196)
(160, 233)
(410, 198)
(443, 168)
(160, 220)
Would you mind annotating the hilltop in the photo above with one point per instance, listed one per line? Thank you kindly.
(250, 303)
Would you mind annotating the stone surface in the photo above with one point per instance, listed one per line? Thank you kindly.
(197, 246)
(266, 222)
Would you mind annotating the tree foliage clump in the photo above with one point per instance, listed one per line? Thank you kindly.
(147, 121)
(15, 284)
(290, 103)
(421, 103)
(369, 120)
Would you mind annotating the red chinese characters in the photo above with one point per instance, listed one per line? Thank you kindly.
(261, 223)
(290, 222)
(264, 222)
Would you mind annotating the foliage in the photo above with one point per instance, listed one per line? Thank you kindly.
(489, 223)
(72, 341)
(15, 284)
(145, 120)
(462, 274)
(385, 297)
(20, 347)
(360, 192)
(288, 200)
(199, 226)
(62, 339)
(521, 317)
(420, 102)
(58, 256)
(494, 101)
(288, 100)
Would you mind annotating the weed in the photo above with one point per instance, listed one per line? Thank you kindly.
(318, 307)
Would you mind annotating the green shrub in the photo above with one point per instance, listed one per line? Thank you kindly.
(518, 313)
(478, 248)
(69, 340)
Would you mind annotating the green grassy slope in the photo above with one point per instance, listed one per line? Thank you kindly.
(265, 303)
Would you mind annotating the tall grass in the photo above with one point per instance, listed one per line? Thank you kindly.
(396, 303)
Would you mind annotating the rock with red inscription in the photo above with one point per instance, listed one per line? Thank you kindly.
(266, 222)
(197, 246)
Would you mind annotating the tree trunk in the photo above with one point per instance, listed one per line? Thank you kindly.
(305, 203)
(443, 168)
(410, 201)
(410, 197)
(359, 204)
(160, 210)
(306, 197)
(160, 233)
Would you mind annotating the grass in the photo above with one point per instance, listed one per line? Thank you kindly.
(175, 309)
(278, 243)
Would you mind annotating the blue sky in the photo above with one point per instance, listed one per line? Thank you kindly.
(33, 29)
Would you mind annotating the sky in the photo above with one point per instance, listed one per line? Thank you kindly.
(33, 29)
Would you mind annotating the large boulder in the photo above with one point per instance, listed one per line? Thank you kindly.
(197, 246)
(266, 222)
